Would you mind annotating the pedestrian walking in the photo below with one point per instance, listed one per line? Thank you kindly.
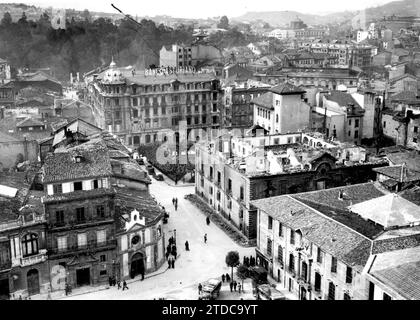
(110, 281)
(169, 263)
(118, 284)
(223, 278)
(187, 246)
(173, 201)
(200, 288)
(176, 201)
(205, 238)
(239, 287)
(231, 286)
(227, 277)
(124, 286)
(208, 220)
(142, 275)
(173, 263)
(234, 285)
(176, 206)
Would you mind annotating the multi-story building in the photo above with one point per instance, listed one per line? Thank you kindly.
(181, 56)
(232, 171)
(237, 110)
(23, 255)
(147, 107)
(329, 78)
(79, 208)
(282, 110)
(356, 242)
(5, 73)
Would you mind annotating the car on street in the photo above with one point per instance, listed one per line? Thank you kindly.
(159, 177)
(210, 290)
(266, 292)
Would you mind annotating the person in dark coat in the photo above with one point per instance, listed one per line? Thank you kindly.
(142, 275)
(187, 246)
(227, 277)
(124, 285)
(173, 263)
(234, 285)
(208, 220)
(200, 288)
(231, 286)
(223, 278)
(118, 284)
(110, 281)
(169, 263)
(205, 238)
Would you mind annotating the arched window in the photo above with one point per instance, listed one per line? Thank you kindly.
(30, 244)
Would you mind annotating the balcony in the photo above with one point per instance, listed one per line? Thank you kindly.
(37, 258)
(90, 247)
(5, 265)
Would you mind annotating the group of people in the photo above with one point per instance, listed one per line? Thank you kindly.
(175, 203)
(232, 284)
(114, 282)
(249, 261)
(171, 253)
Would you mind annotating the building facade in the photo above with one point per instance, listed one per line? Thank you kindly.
(148, 107)
(229, 177)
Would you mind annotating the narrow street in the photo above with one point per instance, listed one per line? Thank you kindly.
(202, 262)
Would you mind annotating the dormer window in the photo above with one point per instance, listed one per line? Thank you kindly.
(78, 158)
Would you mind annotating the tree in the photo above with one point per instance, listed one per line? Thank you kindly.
(7, 19)
(23, 19)
(242, 272)
(232, 260)
(224, 23)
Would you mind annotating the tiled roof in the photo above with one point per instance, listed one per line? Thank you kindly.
(399, 270)
(412, 195)
(411, 159)
(344, 243)
(264, 100)
(404, 95)
(130, 170)
(29, 122)
(343, 99)
(7, 138)
(127, 199)
(9, 207)
(61, 166)
(397, 172)
(287, 88)
(389, 210)
(406, 75)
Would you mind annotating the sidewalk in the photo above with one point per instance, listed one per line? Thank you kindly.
(58, 295)
(289, 295)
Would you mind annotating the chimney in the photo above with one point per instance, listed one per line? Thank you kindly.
(340, 195)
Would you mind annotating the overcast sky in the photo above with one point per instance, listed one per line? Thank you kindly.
(204, 9)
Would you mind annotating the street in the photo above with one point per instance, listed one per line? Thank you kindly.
(202, 262)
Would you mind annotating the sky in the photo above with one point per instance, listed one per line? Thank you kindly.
(204, 9)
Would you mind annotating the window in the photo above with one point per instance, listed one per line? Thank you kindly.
(384, 125)
(349, 122)
(30, 244)
(102, 258)
(230, 185)
(334, 264)
(241, 193)
(100, 211)
(270, 223)
(134, 102)
(319, 255)
(349, 275)
(317, 282)
(101, 236)
(58, 188)
(304, 272)
(80, 214)
(356, 123)
(331, 291)
(95, 184)
(280, 254)
(219, 177)
(211, 173)
(269, 247)
(135, 113)
(415, 129)
(356, 134)
(292, 236)
(59, 216)
(386, 297)
(291, 263)
(78, 186)
(280, 230)
(81, 240)
(62, 243)
(346, 296)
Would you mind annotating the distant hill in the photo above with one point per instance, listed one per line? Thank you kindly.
(279, 18)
